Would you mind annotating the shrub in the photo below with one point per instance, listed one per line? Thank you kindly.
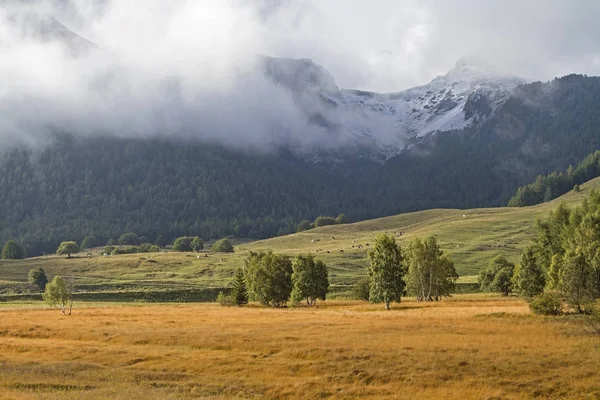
(222, 246)
(547, 303)
(360, 291)
(125, 250)
(225, 300)
(324, 221)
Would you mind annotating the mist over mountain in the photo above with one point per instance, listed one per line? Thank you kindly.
(257, 102)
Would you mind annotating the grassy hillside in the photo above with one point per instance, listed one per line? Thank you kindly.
(472, 237)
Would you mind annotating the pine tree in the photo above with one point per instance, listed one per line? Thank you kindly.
(239, 292)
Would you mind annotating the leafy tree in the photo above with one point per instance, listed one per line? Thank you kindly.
(528, 279)
(431, 275)
(160, 241)
(154, 249)
(38, 277)
(146, 248)
(88, 242)
(222, 246)
(59, 293)
(129, 238)
(183, 243)
(68, 248)
(386, 272)
(310, 280)
(239, 291)
(497, 277)
(109, 249)
(304, 226)
(360, 290)
(197, 244)
(269, 278)
(324, 221)
(341, 219)
(12, 251)
(578, 281)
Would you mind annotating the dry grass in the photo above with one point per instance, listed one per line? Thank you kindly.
(468, 347)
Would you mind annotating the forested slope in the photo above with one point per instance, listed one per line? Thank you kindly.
(75, 187)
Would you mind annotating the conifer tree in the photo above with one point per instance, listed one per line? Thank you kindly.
(239, 291)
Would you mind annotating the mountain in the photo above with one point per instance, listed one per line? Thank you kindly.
(466, 139)
(390, 122)
(47, 29)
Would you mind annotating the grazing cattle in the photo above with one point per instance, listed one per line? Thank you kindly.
(333, 237)
(198, 257)
(341, 251)
(328, 251)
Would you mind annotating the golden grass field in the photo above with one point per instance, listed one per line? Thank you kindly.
(467, 347)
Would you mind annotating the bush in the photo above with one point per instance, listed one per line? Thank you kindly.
(360, 291)
(324, 221)
(222, 246)
(546, 304)
(225, 300)
(125, 250)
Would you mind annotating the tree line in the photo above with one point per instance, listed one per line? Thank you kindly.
(562, 265)
(128, 243)
(549, 187)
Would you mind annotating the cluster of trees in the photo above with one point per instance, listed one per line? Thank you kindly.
(423, 271)
(321, 221)
(12, 251)
(563, 264)
(273, 279)
(548, 187)
(188, 243)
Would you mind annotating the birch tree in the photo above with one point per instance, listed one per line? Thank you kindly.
(431, 275)
(386, 273)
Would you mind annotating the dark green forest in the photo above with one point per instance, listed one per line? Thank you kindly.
(548, 187)
(75, 187)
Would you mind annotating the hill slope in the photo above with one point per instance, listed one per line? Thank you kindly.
(471, 237)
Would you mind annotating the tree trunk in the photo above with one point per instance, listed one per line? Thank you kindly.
(387, 305)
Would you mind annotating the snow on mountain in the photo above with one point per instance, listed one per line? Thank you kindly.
(389, 122)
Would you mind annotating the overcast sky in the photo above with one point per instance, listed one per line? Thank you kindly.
(382, 45)
(186, 66)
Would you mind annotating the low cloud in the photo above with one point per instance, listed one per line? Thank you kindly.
(190, 68)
